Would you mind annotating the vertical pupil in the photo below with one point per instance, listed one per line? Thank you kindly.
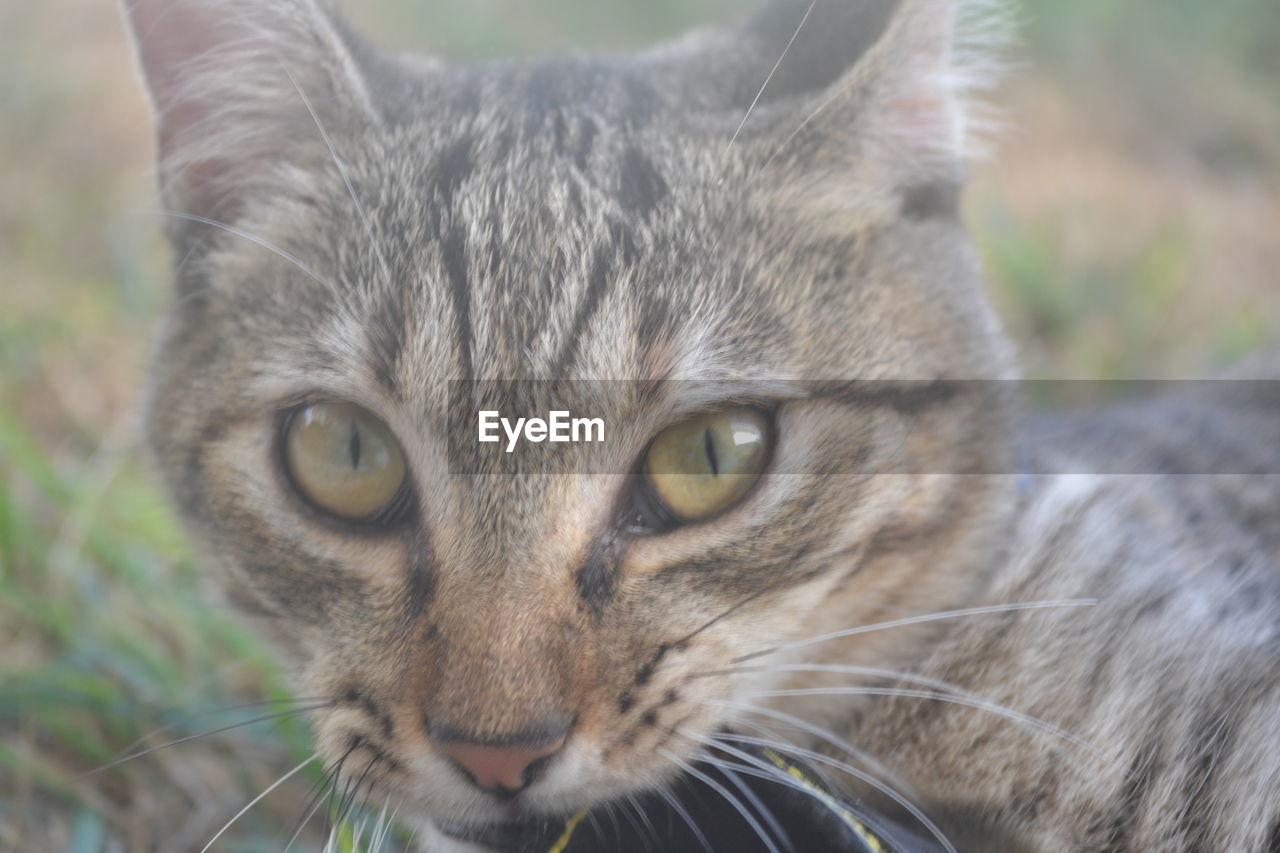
(709, 445)
(353, 446)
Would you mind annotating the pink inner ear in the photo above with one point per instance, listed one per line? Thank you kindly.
(168, 35)
(924, 118)
(920, 114)
(219, 93)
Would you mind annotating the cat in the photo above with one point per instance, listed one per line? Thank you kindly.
(362, 239)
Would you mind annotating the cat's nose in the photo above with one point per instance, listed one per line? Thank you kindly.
(502, 766)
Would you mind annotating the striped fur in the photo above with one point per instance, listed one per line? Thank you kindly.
(364, 227)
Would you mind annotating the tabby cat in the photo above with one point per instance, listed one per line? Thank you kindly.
(753, 234)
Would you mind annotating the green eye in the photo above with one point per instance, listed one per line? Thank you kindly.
(706, 464)
(343, 460)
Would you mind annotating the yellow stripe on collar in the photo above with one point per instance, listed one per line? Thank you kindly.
(865, 835)
(563, 841)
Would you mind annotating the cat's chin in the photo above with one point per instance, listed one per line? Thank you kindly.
(507, 828)
(432, 838)
(448, 837)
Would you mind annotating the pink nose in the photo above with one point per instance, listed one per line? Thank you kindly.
(498, 767)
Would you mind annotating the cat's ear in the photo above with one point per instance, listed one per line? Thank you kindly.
(880, 93)
(237, 87)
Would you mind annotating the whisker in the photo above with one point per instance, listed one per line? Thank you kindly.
(845, 669)
(967, 701)
(382, 829)
(368, 795)
(270, 247)
(359, 833)
(722, 791)
(595, 825)
(316, 796)
(850, 749)
(611, 811)
(917, 620)
(758, 769)
(200, 715)
(970, 698)
(773, 71)
(726, 613)
(355, 790)
(775, 774)
(629, 810)
(330, 825)
(764, 811)
(342, 170)
(839, 92)
(256, 800)
(684, 815)
(349, 791)
(644, 818)
(210, 733)
(314, 802)
(835, 763)
(716, 742)
(804, 726)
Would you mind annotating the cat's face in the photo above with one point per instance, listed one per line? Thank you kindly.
(395, 228)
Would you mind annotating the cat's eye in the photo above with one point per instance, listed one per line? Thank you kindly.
(344, 461)
(702, 466)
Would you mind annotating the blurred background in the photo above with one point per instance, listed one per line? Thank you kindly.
(1129, 222)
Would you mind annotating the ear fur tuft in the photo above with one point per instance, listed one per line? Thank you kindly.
(224, 79)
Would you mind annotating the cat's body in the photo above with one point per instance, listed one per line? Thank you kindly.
(1172, 675)
(361, 229)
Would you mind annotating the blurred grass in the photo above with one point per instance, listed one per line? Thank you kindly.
(1128, 225)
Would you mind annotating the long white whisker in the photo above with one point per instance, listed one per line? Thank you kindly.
(322, 795)
(309, 813)
(644, 818)
(849, 748)
(383, 828)
(724, 792)
(916, 620)
(219, 730)
(593, 823)
(804, 726)
(256, 800)
(957, 699)
(773, 71)
(840, 91)
(846, 669)
(841, 766)
(770, 772)
(686, 817)
(763, 810)
(200, 715)
(627, 807)
(270, 247)
(342, 170)
(306, 819)
(766, 770)
(613, 819)
(969, 698)
(775, 774)
(359, 833)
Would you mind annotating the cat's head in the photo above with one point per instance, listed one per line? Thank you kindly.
(353, 231)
